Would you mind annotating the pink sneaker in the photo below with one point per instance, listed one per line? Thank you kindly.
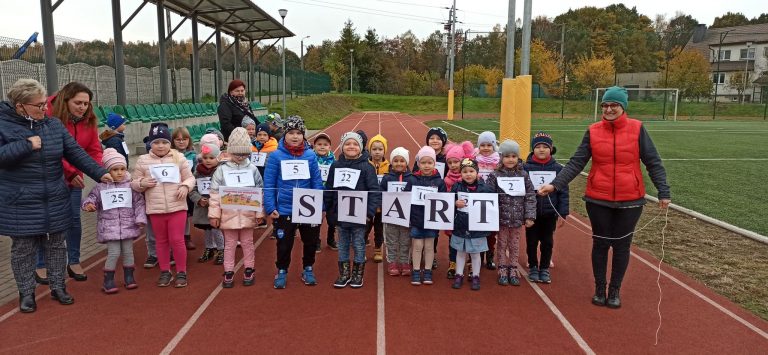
(393, 269)
(405, 269)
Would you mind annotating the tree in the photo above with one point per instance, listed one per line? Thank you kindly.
(730, 19)
(740, 81)
(689, 72)
(545, 67)
(593, 72)
(493, 78)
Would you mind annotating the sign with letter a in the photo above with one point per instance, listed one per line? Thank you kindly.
(353, 206)
(483, 212)
(439, 210)
(396, 208)
(307, 206)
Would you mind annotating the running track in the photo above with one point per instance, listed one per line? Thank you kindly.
(387, 315)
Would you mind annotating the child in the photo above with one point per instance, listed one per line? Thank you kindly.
(454, 154)
(263, 143)
(250, 126)
(236, 224)
(325, 157)
(517, 207)
(423, 239)
(278, 200)
(351, 234)
(182, 142)
(114, 136)
(437, 138)
(463, 240)
(117, 226)
(377, 148)
(397, 238)
(488, 160)
(539, 161)
(165, 178)
(200, 197)
(276, 124)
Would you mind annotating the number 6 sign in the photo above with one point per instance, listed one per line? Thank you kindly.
(116, 198)
(165, 173)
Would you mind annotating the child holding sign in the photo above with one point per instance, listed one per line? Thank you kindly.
(437, 138)
(455, 153)
(165, 178)
(397, 238)
(377, 148)
(200, 197)
(542, 168)
(325, 157)
(463, 239)
(120, 214)
(351, 172)
(236, 222)
(487, 161)
(426, 180)
(517, 207)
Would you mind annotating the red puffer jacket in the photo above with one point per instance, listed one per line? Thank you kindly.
(615, 173)
(87, 137)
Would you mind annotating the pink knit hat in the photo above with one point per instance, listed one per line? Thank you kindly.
(111, 158)
(459, 151)
(426, 152)
(211, 138)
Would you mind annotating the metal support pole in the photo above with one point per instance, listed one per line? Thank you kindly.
(525, 50)
(49, 44)
(236, 67)
(452, 38)
(562, 67)
(219, 72)
(161, 46)
(302, 66)
(509, 65)
(284, 108)
(119, 56)
(251, 71)
(195, 62)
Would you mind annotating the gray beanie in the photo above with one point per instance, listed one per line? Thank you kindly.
(247, 121)
(354, 136)
(509, 146)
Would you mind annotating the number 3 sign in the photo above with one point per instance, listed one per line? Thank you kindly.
(116, 198)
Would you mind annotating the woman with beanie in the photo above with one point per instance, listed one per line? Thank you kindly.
(233, 106)
(615, 193)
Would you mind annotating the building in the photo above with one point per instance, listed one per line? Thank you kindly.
(735, 54)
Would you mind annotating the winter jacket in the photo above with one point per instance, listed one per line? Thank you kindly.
(278, 193)
(434, 180)
(230, 116)
(200, 213)
(461, 227)
(328, 159)
(117, 223)
(513, 210)
(560, 199)
(162, 198)
(87, 137)
(366, 182)
(233, 219)
(268, 147)
(115, 140)
(392, 176)
(191, 157)
(615, 178)
(440, 159)
(34, 196)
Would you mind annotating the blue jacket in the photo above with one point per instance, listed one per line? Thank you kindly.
(560, 198)
(417, 211)
(366, 182)
(461, 222)
(278, 194)
(34, 197)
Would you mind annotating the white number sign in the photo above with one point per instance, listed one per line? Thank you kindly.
(418, 194)
(396, 186)
(204, 186)
(258, 159)
(239, 178)
(116, 198)
(512, 186)
(294, 169)
(324, 169)
(165, 173)
(541, 178)
(345, 177)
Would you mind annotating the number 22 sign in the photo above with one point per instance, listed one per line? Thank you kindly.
(345, 177)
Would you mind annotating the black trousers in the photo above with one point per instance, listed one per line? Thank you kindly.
(612, 223)
(285, 231)
(541, 236)
(378, 230)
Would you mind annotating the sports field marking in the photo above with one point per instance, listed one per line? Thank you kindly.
(381, 340)
(409, 132)
(333, 125)
(200, 310)
(352, 130)
(462, 128)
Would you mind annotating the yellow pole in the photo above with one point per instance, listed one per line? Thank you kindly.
(450, 105)
(515, 115)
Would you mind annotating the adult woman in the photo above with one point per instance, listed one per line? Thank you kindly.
(72, 106)
(233, 106)
(36, 208)
(615, 192)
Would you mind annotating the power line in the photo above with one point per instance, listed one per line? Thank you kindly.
(412, 4)
(365, 9)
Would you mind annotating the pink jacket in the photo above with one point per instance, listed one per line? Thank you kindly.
(162, 198)
(232, 219)
(117, 223)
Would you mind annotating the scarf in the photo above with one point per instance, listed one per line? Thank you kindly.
(452, 178)
(490, 161)
(328, 159)
(257, 144)
(242, 104)
(472, 187)
(203, 170)
(296, 151)
(540, 161)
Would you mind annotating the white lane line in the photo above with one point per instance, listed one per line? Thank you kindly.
(464, 129)
(334, 125)
(381, 340)
(379, 122)
(409, 132)
(696, 293)
(352, 130)
(200, 310)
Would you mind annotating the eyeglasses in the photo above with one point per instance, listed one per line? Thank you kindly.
(241, 155)
(40, 106)
(610, 106)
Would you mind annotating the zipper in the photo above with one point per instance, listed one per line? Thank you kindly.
(613, 131)
(45, 183)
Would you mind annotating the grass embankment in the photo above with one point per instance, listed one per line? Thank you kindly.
(318, 111)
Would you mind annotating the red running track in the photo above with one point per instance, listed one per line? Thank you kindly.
(387, 314)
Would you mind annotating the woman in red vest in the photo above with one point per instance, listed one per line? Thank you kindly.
(615, 192)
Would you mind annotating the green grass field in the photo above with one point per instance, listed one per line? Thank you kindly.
(706, 161)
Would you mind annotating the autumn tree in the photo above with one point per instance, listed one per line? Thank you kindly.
(689, 72)
(730, 19)
(593, 72)
(740, 81)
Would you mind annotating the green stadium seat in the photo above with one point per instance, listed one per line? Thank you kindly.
(165, 111)
(120, 110)
(142, 113)
(189, 110)
(99, 114)
(178, 111)
(152, 115)
(131, 114)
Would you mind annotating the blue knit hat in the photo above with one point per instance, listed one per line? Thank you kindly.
(543, 138)
(263, 127)
(114, 120)
(616, 94)
(159, 130)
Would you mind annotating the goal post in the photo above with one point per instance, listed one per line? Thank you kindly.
(650, 98)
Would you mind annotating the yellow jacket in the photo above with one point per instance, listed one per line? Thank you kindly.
(383, 167)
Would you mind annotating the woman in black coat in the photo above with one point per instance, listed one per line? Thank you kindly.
(233, 106)
(35, 199)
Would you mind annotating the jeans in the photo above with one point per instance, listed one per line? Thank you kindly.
(73, 235)
(354, 236)
(150, 239)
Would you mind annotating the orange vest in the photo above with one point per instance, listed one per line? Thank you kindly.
(615, 173)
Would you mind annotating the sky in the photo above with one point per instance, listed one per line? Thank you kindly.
(323, 19)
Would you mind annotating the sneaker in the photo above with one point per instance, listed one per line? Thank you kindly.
(514, 281)
(248, 277)
(181, 279)
(475, 283)
(416, 277)
(165, 279)
(434, 264)
(599, 298)
(613, 298)
(280, 279)
(208, 254)
(308, 276)
(533, 274)
(451, 270)
(332, 245)
(544, 276)
(405, 269)
(427, 277)
(219, 257)
(150, 262)
(393, 269)
(229, 280)
(503, 280)
(458, 281)
(378, 255)
(318, 248)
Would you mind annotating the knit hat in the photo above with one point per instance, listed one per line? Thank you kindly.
(322, 136)
(426, 152)
(239, 141)
(210, 148)
(487, 137)
(352, 135)
(459, 151)
(295, 122)
(264, 127)
(247, 121)
(216, 132)
(364, 137)
(377, 138)
(211, 138)
(616, 94)
(111, 158)
(440, 133)
(114, 120)
(543, 138)
(159, 130)
(234, 84)
(508, 147)
(400, 152)
(469, 163)
(275, 118)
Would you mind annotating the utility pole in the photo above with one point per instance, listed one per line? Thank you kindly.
(452, 38)
(525, 48)
(562, 67)
(509, 70)
(173, 58)
(717, 78)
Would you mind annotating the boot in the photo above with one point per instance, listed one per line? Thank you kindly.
(219, 257)
(451, 270)
(458, 281)
(208, 254)
(229, 279)
(377, 255)
(613, 298)
(248, 279)
(405, 269)
(109, 282)
(130, 281)
(27, 303)
(489, 264)
(344, 275)
(475, 283)
(599, 298)
(62, 296)
(188, 243)
(358, 271)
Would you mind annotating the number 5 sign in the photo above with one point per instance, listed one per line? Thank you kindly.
(116, 198)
